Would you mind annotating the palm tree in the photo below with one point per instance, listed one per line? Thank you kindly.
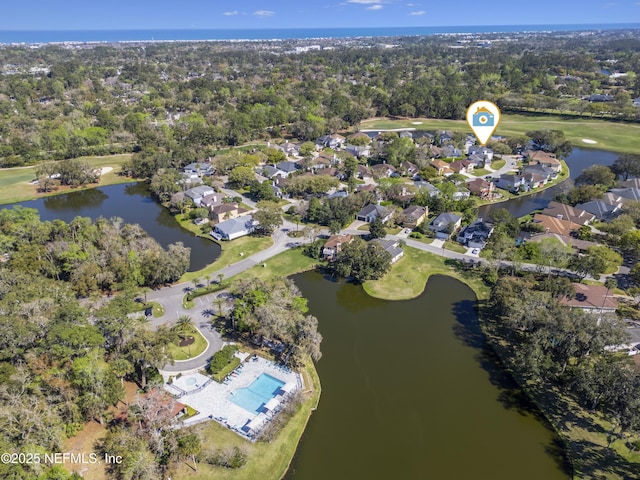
(183, 325)
(219, 301)
(610, 283)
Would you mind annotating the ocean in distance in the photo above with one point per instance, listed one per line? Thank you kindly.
(59, 36)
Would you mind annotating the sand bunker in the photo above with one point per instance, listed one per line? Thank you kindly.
(416, 123)
(104, 170)
(587, 140)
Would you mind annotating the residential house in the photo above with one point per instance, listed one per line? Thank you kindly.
(406, 134)
(196, 194)
(450, 151)
(225, 211)
(445, 136)
(636, 102)
(332, 172)
(234, 228)
(333, 246)
(599, 98)
(270, 171)
(445, 224)
(481, 188)
(383, 170)
(334, 141)
(510, 181)
(372, 211)
(534, 180)
(601, 209)
(484, 152)
(364, 172)
(339, 194)
(211, 200)
(630, 183)
(422, 185)
(366, 188)
(461, 166)
(408, 168)
(441, 166)
(290, 149)
(555, 225)
(413, 216)
(476, 234)
(627, 195)
(461, 193)
(591, 298)
(278, 185)
(359, 151)
(545, 159)
(391, 247)
(567, 212)
(198, 169)
(541, 170)
(287, 167)
(476, 160)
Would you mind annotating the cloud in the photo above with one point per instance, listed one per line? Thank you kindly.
(418, 13)
(230, 14)
(374, 7)
(365, 2)
(264, 13)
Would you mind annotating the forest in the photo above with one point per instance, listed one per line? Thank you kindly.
(185, 101)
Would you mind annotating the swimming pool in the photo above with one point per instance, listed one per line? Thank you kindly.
(253, 397)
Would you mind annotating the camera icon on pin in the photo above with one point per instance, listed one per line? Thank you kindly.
(483, 118)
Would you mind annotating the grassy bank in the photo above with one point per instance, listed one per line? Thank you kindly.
(267, 461)
(612, 136)
(408, 276)
(15, 183)
(287, 263)
(232, 252)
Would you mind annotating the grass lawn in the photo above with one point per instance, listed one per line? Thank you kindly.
(612, 136)
(196, 348)
(454, 247)
(231, 251)
(480, 172)
(408, 276)
(266, 461)
(393, 231)
(364, 227)
(498, 164)
(287, 263)
(15, 183)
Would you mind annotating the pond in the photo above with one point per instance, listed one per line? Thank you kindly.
(410, 390)
(133, 203)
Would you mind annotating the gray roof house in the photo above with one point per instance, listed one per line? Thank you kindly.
(602, 210)
(358, 150)
(373, 211)
(440, 224)
(476, 234)
(234, 228)
(484, 152)
(287, 167)
(391, 247)
(433, 191)
(199, 169)
(627, 194)
(196, 194)
(270, 172)
(509, 182)
(449, 151)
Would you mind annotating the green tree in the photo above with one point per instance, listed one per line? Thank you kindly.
(627, 165)
(362, 261)
(269, 217)
(598, 175)
(376, 229)
(241, 176)
(190, 445)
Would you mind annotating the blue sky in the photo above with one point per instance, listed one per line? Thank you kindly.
(157, 14)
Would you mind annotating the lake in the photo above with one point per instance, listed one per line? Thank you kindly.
(133, 203)
(410, 390)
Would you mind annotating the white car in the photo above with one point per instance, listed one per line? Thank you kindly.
(475, 251)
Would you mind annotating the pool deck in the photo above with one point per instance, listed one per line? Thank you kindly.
(209, 398)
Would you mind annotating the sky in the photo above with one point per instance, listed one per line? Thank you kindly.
(233, 14)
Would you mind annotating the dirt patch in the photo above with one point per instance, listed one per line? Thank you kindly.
(186, 341)
(104, 170)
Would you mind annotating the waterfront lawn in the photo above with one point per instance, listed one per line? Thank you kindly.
(267, 461)
(287, 263)
(408, 277)
(15, 183)
(230, 254)
(613, 136)
(184, 353)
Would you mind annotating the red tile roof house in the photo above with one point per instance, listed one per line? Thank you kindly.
(333, 246)
(591, 298)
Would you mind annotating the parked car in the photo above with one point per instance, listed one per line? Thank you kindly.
(475, 251)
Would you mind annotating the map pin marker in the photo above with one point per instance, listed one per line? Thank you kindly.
(483, 117)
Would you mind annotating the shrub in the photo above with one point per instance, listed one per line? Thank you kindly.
(415, 235)
(222, 358)
(230, 458)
